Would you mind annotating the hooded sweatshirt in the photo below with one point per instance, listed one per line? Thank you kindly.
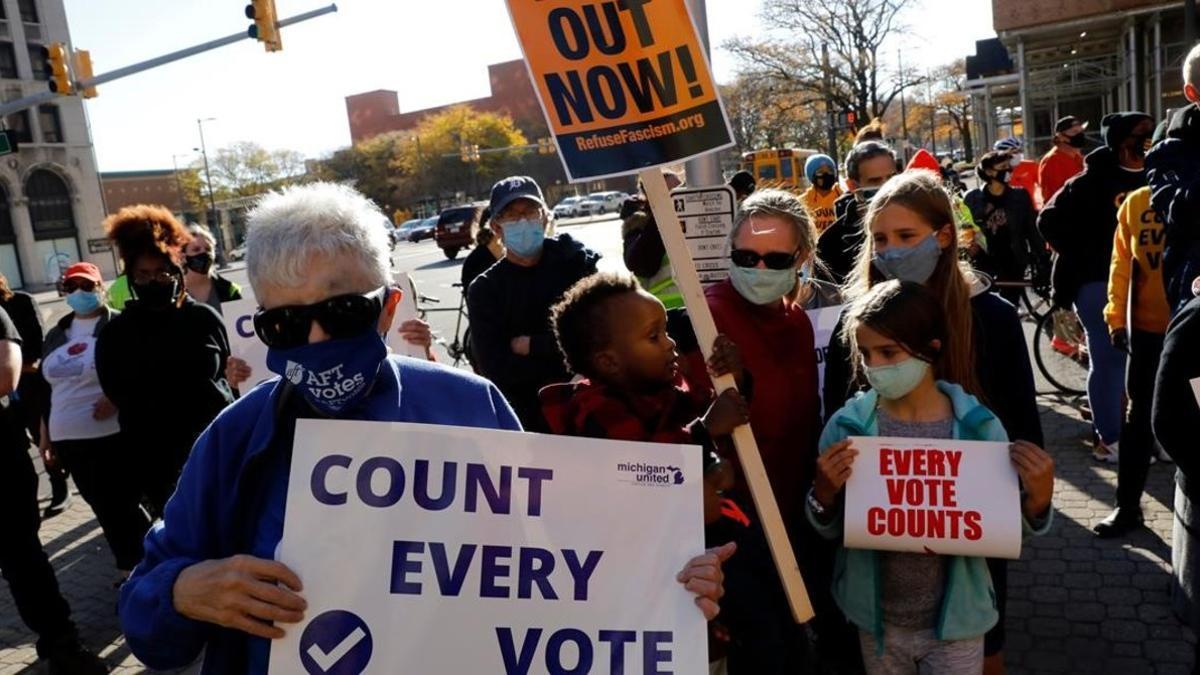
(1173, 171)
(1137, 261)
(509, 301)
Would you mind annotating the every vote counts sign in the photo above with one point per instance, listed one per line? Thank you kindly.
(625, 84)
(446, 551)
(947, 497)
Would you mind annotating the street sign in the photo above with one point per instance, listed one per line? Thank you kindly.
(624, 86)
(8, 142)
(706, 215)
(98, 245)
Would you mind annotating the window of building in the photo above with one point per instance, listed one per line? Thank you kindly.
(51, 123)
(19, 123)
(7, 234)
(28, 8)
(3, 15)
(39, 61)
(49, 205)
(8, 61)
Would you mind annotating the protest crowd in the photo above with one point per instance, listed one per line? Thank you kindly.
(137, 396)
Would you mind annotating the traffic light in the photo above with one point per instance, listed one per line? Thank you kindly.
(60, 72)
(83, 71)
(265, 28)
(546, 146)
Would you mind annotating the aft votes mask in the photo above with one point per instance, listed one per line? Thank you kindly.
(333, 375)
(83, 302)
(912, 263)
(524, 237)
(762, 286)
(897, 380)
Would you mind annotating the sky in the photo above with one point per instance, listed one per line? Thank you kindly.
(432, 53)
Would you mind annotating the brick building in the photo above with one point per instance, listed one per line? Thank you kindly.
(126, 188)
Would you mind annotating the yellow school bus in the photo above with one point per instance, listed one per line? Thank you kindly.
(778, 168)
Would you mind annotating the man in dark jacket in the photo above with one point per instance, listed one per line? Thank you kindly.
(868, 166)
(509, 304)
(1173, 170)
(1005, 216)
(1079, 223)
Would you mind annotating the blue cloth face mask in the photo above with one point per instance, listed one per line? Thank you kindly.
(762, 286)
(333, 375)
(524, 237)
(912, 263)
(83, 302)
(897, 380)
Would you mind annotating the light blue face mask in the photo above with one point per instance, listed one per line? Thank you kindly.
(897, 380)
(910, 263)
(83, 302)
(524, 237)
(762, 286)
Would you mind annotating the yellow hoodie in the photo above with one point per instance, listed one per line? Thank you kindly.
(1137, 262)
(820, 207)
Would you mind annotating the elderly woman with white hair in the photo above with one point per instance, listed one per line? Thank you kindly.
(203, 282)
(319, 266)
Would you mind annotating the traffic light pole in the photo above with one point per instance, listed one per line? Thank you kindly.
(30, 101)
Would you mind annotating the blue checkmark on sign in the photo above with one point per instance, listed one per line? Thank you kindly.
(336, 643)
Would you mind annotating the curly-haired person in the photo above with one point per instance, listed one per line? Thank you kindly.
(162, 360)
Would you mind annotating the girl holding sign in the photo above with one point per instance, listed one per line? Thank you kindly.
(914, 611)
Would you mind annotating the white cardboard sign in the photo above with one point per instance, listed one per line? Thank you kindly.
(941, 496)
(824, 321)
(445, 550)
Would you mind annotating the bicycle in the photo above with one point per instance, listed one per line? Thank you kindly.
(1059, 342)
(459, 349)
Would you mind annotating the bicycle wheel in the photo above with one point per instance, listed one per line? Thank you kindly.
(1063, 362)
(1036, 305)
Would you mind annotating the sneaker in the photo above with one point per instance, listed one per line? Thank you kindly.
(75, 659)
(56, 506)
(1120, 522)
(1063, 347)
(1106, 453)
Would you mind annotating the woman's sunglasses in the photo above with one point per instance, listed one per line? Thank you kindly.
(342, 316)
(71, 285)
(774, 260)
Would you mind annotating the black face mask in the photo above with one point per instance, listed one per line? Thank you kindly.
(200, 263)
(824, 181)
(1140, 145)
(156, 294)
(1078, 141)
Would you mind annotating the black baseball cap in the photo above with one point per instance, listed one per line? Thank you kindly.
(1068, 122)
(510, 189)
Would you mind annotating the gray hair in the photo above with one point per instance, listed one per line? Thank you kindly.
(286, 228)
(772, 203)
(201, 232)
(1191, 67)
(861, 153)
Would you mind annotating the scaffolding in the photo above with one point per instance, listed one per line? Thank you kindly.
(1086, 67)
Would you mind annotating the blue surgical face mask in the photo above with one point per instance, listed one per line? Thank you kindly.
(897, 380)
(762, 286)
(333, 375)
(911, 263)
(524, 237)
(83, 302)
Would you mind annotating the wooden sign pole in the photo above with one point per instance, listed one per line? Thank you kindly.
(688, 282)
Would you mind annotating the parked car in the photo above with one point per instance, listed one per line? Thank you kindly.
(425, 229)
(456, 228)
(237, 254)
(403, 231)
(607, 202)
(568, 207)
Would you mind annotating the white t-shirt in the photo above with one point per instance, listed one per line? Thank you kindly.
(75, 387)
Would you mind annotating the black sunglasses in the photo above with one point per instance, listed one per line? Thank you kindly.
(341, 316)
(774, 260)
(74, 284)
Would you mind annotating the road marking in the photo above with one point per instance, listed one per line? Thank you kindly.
(327, 661)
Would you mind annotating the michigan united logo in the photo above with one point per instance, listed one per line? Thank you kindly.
(649, 474)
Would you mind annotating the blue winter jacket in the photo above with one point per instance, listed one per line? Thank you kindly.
(230, 501)
(969, 603)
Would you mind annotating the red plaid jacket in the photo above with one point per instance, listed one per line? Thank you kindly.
(585, 408)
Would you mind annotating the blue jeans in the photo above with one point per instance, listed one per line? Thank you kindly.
(1106, 374)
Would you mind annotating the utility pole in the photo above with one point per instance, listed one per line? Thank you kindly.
(903, 109)
(213, 225)
(830, 115)
(704, 170)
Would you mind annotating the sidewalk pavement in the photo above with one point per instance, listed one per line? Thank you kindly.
(1077, 604)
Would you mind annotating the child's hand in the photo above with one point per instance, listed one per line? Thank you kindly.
(725, 359)
(727, 413)
(833, 470)
(1036, 468)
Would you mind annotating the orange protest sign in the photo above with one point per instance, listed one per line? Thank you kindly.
(625, 84)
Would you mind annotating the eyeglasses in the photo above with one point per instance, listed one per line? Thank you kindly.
(341, 316)
(775, 260)
(162, 277)
(72, 285)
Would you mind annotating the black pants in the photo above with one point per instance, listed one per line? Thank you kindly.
(103, 469)
(160, 461)
(1137, 437)
(23, 563)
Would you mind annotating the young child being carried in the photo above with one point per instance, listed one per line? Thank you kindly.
(915, 612)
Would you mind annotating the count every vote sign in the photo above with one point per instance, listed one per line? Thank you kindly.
(446, 551)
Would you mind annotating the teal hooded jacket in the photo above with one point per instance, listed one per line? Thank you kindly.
(969, 602)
